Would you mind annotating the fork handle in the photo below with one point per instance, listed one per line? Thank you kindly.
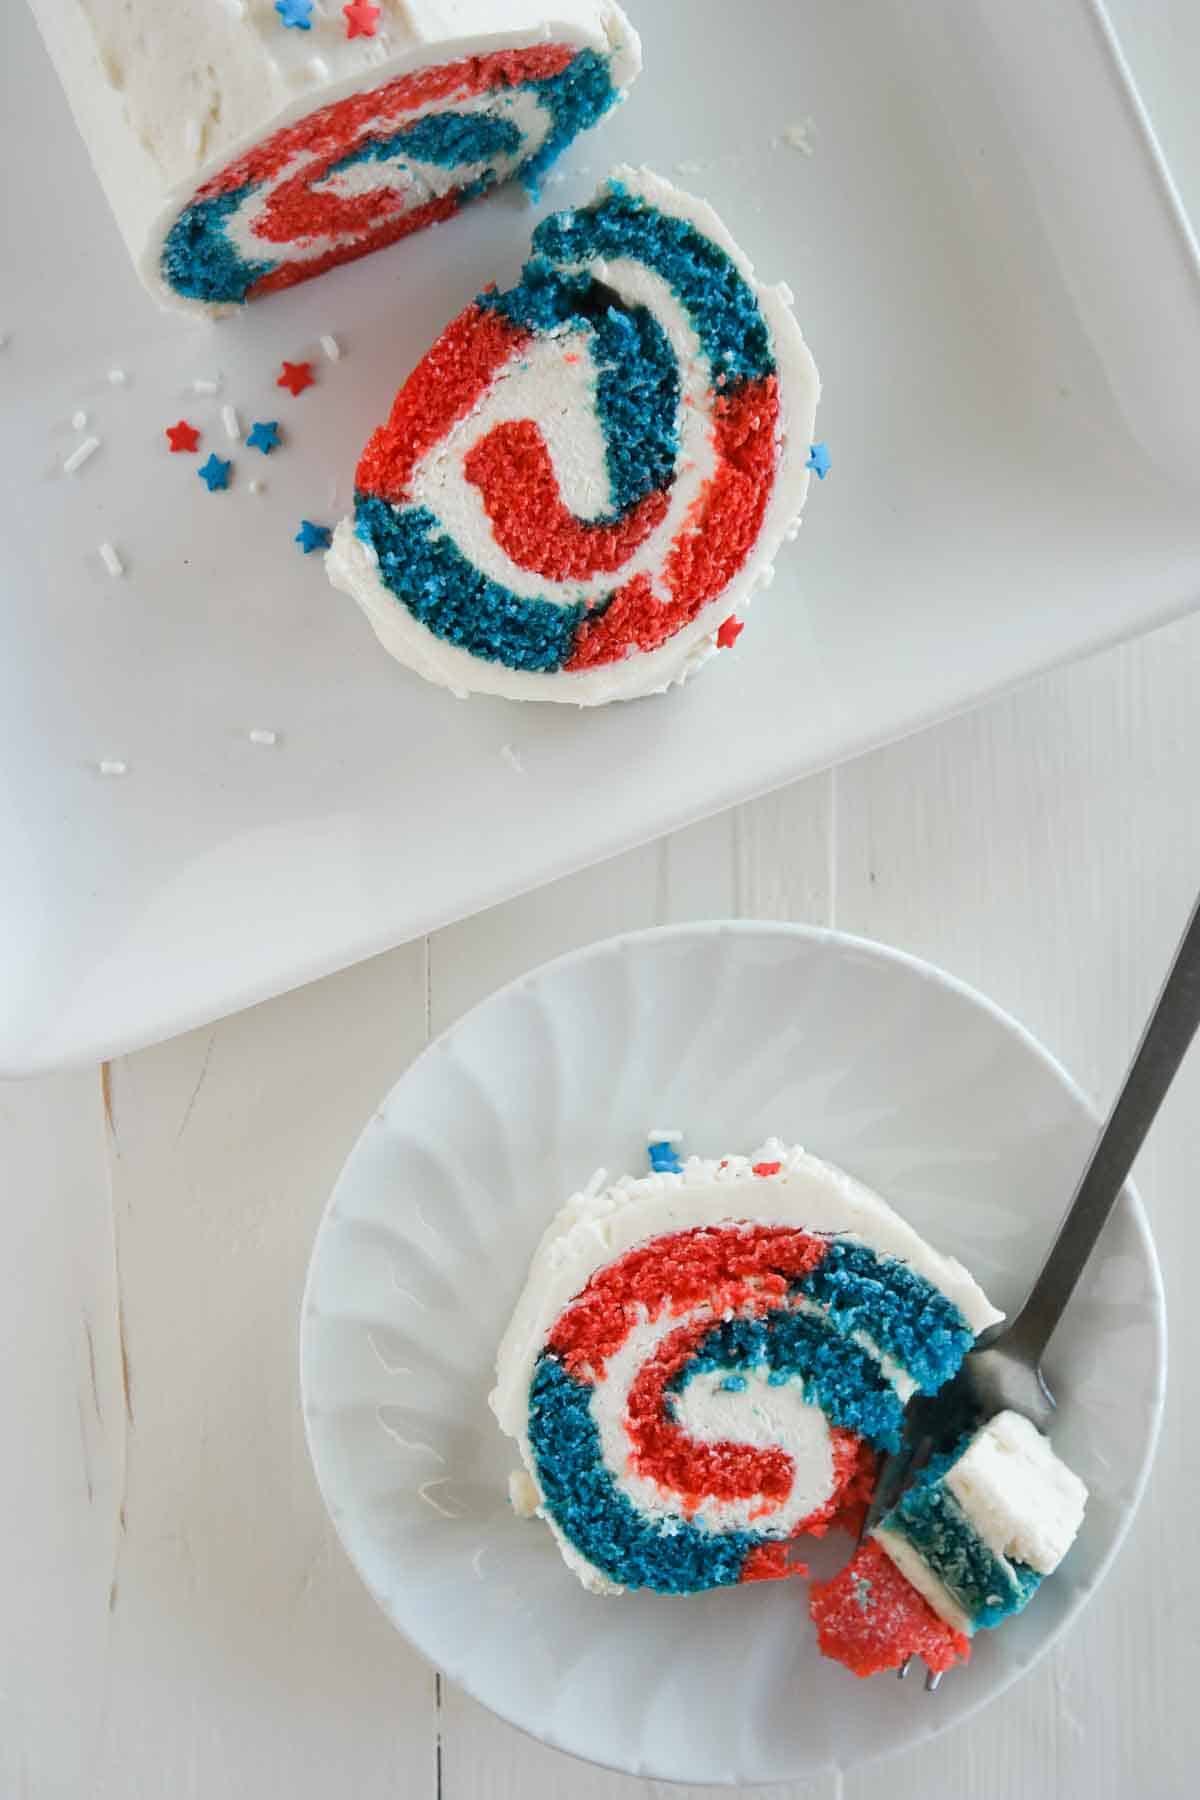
(1164, 1043)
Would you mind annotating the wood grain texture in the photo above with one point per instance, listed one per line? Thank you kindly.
(217, 1644)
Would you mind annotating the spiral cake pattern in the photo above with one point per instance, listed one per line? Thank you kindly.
(714, 1391)
(591, 471)
(372, 168)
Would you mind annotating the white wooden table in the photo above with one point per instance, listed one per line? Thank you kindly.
(178, 1618)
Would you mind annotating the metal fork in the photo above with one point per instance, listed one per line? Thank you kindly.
(1004, 1370)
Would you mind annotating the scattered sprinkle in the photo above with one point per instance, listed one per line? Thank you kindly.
(232, 424)
(260, 736)
(192, 135)
(117, 377)
(258, 487)
(110, 559)
(512, 757)
(295, 377)
(214, 473)
(80, 454)
(182, 436)
(264, 435)
(79, 420)
(204, 384)
(113, 767)
(728, 632)
(318, 68)
(800, 136)
(312, 537)
(766, 1168)
(296, 14)
(819, 461)
(331, 347)
(361, 18)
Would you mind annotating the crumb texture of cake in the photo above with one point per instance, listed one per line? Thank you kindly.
(706, 1361)
(242, 153)
(971, 1540)
(591, 472)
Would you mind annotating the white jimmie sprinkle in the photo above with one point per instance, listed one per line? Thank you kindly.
(113, 767)
(232, 424)
(331, 347)
(110, 559)
(261, 736)
(80, 454)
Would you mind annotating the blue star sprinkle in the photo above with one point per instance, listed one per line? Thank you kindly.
(296, 13)
(264, 435)
(664, 1159)
(214, 473)
(819, 461)
(313, 537)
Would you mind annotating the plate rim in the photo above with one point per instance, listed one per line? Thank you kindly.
(820, 936)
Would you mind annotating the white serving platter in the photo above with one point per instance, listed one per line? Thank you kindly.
(1002, 293)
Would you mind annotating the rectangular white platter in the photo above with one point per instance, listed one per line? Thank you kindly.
(1001, 291)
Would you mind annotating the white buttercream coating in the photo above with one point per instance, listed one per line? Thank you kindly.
(1021, 1498)
(166, 93)
(539, 385)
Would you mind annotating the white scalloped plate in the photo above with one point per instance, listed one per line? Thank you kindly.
(731, 1031)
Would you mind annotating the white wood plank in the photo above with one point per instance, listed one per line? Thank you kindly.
(243, 1657)
(1047, 849)
(64, 1422)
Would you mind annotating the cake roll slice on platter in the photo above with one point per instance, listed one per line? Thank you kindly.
(589, 475)
(706, 1360)
(245, 145)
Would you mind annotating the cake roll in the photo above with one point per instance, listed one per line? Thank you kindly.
(589, 475)
(706, 1360)
(246, 145)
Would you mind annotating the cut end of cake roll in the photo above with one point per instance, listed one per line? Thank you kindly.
(706, 1361)
(965, 1548)
(245, 146)
(589, 475)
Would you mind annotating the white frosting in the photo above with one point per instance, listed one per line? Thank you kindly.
(1021, 1499)
(166, 95)
(540, 385)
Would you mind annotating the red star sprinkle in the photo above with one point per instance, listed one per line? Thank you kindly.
(182, 436)
(728, 634)
(767, 1168)
(360, 18)
(296, 377)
